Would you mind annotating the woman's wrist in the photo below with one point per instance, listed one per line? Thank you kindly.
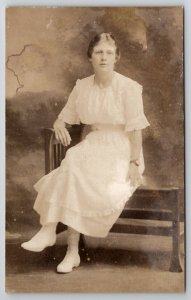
(58, 123)
(60, 119)
(135, 162)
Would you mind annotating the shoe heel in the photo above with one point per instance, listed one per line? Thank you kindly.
(77, 263)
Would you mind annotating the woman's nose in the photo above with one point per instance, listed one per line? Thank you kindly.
(103, 57)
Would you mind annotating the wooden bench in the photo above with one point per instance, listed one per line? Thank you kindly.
(159, 204)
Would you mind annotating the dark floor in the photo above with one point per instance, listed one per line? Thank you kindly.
(101, 270)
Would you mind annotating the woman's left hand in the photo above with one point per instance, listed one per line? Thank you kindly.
(134, 175)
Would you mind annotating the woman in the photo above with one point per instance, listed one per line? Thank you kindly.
(90, 188)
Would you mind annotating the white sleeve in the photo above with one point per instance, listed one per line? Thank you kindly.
(134, 112)
(69, 113)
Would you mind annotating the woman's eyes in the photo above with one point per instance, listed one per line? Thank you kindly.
(101, 52)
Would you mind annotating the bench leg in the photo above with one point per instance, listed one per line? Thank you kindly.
(175, 265)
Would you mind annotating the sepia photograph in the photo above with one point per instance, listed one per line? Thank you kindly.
(95, 150)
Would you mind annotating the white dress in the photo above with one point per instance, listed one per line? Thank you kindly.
(90, 188)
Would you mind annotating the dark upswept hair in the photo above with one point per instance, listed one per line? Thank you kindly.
(97, 38)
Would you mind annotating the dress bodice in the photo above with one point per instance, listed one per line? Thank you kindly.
(119, 103)
(99, 105)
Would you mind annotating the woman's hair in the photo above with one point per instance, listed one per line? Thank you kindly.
(105, 37)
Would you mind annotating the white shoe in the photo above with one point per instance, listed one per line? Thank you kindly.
(70, 261)
(44, 238)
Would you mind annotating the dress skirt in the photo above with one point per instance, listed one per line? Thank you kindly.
(90, 188)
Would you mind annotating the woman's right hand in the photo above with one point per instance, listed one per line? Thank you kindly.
(61, 133)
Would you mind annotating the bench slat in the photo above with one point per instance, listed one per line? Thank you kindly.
(146, 230)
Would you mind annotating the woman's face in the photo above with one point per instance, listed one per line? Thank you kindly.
(103, 57)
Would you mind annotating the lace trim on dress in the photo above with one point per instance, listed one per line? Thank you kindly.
(140, 122)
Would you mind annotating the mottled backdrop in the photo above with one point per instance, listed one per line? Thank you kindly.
(46, 53)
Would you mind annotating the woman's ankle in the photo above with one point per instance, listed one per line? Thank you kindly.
(49, 227)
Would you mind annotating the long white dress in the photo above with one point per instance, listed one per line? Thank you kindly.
(90, 188)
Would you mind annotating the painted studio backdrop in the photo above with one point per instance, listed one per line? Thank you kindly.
(46, 54)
